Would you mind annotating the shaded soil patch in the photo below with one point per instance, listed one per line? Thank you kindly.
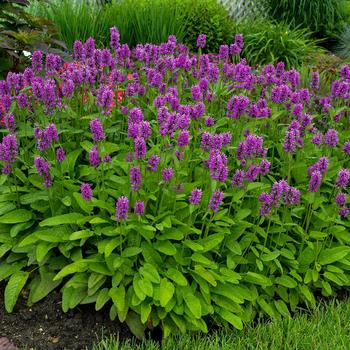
(44, 326)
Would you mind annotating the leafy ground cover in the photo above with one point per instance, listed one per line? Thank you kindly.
(174, 189)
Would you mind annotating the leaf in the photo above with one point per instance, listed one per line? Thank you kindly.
(166, 291)
(212, 241)
(205, 274)
(330, 255)
(102, 298)
(16, 216)
(165, 247)
(271, 256)
(194, 305)
(145, 311)
(45, 284)
(242, 214)
(71, 218)
(256, 278)
(16, 229)
(131, 251)
(118, 297)
(177, 277)
(13, 288)
(282, 308)
(193, 245)
(267, 307)
(149, 272)
(286, 281)
(77, 266)
(134, 323)
(4, 248)
(231, 318)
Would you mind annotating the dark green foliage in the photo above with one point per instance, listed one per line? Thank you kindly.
(207, 17)
(267, 42)
(320, 16)
(20, 31)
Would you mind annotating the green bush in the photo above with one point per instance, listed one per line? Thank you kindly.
(207, 17)
(319, 16)
(267, 42)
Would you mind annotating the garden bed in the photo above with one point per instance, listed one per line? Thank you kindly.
(45, 326)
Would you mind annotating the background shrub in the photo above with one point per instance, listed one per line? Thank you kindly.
(268, 42)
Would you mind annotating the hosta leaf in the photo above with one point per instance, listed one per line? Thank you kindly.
(77, 266)
(118, 297)
(205, 274)
(212, 241)
(131, 251)
(282, 308)
(16, 216)
(145, 311)
(165, 247)
(166, 291)
(13, 288)
(16, 229)
(149, 272)
(256, 278)
(43, 286)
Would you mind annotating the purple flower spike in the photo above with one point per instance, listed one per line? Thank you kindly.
(97, 130)
(94, 157)
(167, 174)
(343, 178)
(86, 191)
(60, 154)
(315, 181)
(215, 201)
(139, 208)
(344, 212)
(135, 178)
(195, 196)
(121, 209)
(201, 41)
(340, 199)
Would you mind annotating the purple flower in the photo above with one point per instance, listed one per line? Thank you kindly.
(209, 121)
(195, 196)
(343, 178)
(167, 174)
(201, 40)
(252, 173)
(290, 141)
(215, 201)
(60, 154)
(86, 191)
(315, 181)
(96, 129)
(196, 92)
(43, 169)
(78, 50)
(115, 38)
(37, 61)
(264, 167)
(8, 152)
(238, 178)
(340, 199)
(278, 189)
(10, 122)
(344, 212)
(346, 148)
(135, 178)
(139, 208)
(183, 139)
(292, 196)
(153, 163)
(107, 158)
(94, 157)
(331, 138)
(236, 106)
(140, 148)
(121, 209)
(317, 139)
(315, 81)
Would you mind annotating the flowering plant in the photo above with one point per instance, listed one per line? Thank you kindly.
(173, 187)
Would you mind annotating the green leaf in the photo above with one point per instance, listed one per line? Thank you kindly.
(13, 289)
(256, 278)
(16, 229)
(134, 323)
(102, 298)
(242, 214)
(118, 297)
(149, 272)
(43, 286)
(165, 247)
(286, 281)
(194, 305)
(282, 308)
(131, 251)
(77, 266)
(212, 241)
(270, 256)
(145, 311)
(177, 277)
(71, 218)
(4, 248)
(231, 318)
(330, 255)
(205, 274)
(166, 291)
(16, 216)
